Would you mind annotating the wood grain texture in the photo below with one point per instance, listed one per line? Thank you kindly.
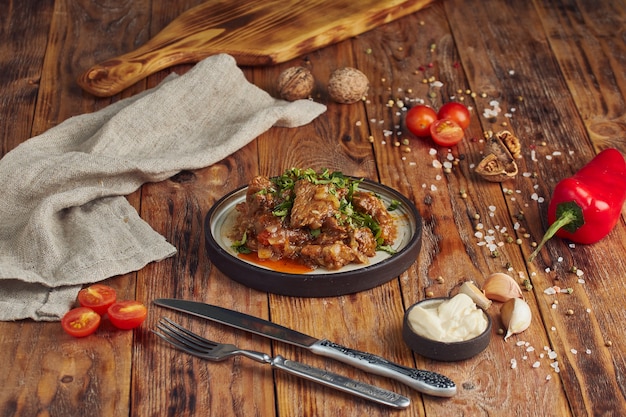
(255, 33)
(556, 67)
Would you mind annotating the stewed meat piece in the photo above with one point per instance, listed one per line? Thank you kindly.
(312, 204)
(372, 205)
(316, 220)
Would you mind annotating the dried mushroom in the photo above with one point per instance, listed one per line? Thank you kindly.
(499, 165)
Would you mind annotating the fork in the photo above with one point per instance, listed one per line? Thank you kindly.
(196, 345)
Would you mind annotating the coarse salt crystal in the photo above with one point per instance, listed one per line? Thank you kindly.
(436, 163)
(432, 151)
(520, 343)
(574, 351)
(513, 363)
(588, 351)
(433, 187)
(550, 291)
(537, 364)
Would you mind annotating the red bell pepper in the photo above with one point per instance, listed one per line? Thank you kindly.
(585, 207)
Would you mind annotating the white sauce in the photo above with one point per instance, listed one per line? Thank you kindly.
(454, 320)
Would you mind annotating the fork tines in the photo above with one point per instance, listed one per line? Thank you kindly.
(182, 338)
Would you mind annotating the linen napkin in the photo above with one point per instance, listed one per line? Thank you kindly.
(64, 220)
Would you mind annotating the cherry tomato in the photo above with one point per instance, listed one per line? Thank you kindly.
(97, 297)
(80, 322)
(456, 112)
(419, 118)
(127, 315)
(446, 132)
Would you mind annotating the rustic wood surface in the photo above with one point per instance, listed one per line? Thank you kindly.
(557, 68)
(253, 32)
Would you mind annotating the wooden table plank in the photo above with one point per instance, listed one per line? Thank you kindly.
(560, 57)
(450, 249)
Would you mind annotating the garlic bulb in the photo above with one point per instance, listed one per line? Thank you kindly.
(501, 287)
(516, 316)
(470, 289)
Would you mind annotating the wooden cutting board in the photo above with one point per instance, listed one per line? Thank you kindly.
(254, 32)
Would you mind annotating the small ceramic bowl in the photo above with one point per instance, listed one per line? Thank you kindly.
(444, 351)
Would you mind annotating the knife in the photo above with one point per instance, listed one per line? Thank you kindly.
(427, 382)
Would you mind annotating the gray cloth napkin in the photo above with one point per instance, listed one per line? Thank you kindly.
(64, 220)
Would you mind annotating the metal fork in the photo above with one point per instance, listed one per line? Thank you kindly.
(196, 345)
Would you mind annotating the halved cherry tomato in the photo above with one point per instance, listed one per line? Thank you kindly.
(127, 315)
(456, 112)
(446, 132)
(80, 322)
(98, 297)
(419, 118)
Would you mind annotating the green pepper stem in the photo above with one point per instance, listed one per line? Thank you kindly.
(566, 217)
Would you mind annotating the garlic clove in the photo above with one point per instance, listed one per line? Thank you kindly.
(516, 316)
(470, 289)
(501, 287)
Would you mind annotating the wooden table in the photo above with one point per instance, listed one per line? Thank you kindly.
(557, 70)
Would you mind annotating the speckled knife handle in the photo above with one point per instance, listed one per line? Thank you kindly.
(426, 382)
(341, 383)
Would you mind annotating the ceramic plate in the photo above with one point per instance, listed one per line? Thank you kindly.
(319, 282)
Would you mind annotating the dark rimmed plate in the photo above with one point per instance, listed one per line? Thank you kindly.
(319, 282)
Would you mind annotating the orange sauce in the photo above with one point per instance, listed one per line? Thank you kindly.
(283, 265)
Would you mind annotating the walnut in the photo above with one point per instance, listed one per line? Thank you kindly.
(347, 85)
(499, 164)
(295, 83)
(511, 142)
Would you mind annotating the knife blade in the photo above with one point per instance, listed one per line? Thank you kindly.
(427, 382)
